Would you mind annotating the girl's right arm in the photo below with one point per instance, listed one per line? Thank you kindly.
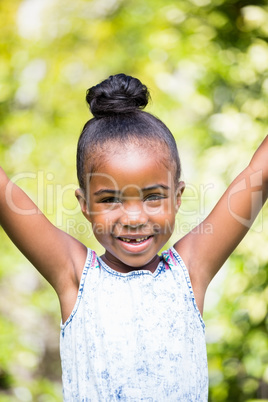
(57, 256)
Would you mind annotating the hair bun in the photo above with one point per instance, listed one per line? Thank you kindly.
(119, 93)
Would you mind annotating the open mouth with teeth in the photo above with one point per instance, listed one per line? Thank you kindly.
(138, 240)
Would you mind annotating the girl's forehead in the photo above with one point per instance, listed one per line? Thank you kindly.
(132, 168)
(127, 149)
(131, 156)
(133, 162)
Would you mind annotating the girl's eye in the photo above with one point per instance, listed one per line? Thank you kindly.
(111, 200)
(154, 197)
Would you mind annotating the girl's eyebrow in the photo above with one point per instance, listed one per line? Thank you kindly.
(117, 192)
(106, 190)
(156, 187)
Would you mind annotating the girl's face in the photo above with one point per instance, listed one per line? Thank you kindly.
(132, 205)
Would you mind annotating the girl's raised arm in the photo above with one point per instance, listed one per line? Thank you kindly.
(203, 251)
(56, 255)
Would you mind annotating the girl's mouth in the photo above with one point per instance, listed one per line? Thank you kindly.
(135, 243)
(138, 240)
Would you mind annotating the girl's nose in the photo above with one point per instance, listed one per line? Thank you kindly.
(134, 217)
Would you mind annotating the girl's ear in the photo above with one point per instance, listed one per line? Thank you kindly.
(180, 190)
(80, 195)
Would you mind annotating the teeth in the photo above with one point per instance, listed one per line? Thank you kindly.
(137, 240)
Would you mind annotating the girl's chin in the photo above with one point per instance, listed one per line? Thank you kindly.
(129, 260)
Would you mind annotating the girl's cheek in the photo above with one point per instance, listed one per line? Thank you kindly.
(163, 208)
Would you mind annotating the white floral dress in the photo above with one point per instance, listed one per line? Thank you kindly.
(137, 336)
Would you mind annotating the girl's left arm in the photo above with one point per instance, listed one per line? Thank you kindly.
(205, 248)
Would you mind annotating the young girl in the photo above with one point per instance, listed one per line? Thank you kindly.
(131, 319)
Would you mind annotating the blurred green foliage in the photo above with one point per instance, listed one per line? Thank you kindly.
(206, 65)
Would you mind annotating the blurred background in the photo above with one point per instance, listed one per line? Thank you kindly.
(206, 65)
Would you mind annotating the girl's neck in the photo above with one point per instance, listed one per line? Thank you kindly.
(119, 266)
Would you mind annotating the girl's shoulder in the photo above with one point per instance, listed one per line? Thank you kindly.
(172, 257)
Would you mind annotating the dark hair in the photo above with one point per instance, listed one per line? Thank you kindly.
(116, 105)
